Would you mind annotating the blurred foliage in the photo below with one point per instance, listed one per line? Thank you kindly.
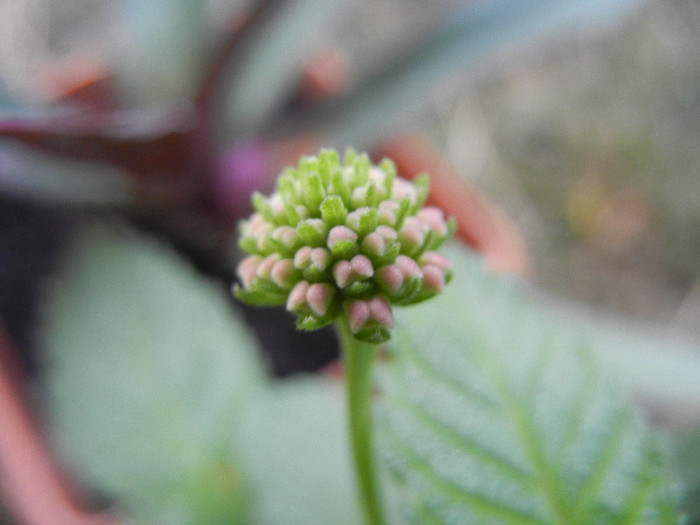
(181, 425)
(592, 143)
(167, 113)
(155, 393)
(490, 414)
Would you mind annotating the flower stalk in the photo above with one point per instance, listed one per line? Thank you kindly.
(343, 242)
(358, 358)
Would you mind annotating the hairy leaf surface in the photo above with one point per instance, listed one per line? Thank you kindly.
(488, 414)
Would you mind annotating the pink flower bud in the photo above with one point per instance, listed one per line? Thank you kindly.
(362, 266)
(436, 259)
(388, 234)
(412, 238)
(380, 311)
(390, 278)
(434, 278)
(248, 270)
(297, 297)
(374, 245)
(352, 221)
(409, 268)
(320, 258)
(265, 266)
(386, 212)
(340, 233)
(319, 297)
(347, 272)
(302, 259)
(342, 273)
(402, 188)
(434, 218)
(283, 273)
(286, 235)
(376, 310)
(256, 225)
(358, 315)
(389, 204)
(378, 243)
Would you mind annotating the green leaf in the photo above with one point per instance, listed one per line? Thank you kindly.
(167, 41)
(273, 62)
(489, 413)
(147, 374)
(25, 172)
(686, 449)
(298, 455)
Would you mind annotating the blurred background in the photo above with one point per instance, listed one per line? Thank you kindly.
(588, 139)
(585, 134)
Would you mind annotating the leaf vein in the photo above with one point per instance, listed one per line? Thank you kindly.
(467, 444)
(593, 484)
(432, 372)
(524, 427)
(641, 492)
(457, 493)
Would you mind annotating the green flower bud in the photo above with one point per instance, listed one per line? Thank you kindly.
(343, 239)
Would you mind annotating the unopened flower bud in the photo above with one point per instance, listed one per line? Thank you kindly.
(265, 266)
(387, 212)
(342, 242)
(286, 238)
(248, 269)
(346, 273)
(434, 218)
(436, 259)
(412, 236)
(284, 274)
(402, 280)
(434, 278)
(358, 315)
(403, 189)
(370, 320)
(350, 238)
(319, 297)
(297, 297)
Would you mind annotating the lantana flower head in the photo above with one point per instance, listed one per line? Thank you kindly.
(345, 238)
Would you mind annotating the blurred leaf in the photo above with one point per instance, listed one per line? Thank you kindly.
(50, 154)
(27, 173)
(167, 43)
(156, 395)
(297, 455)
(657, 366)
(469, 37)
(7, 103)
(274, 59)
(489, 414)
(147, 374)
(147, 143)
(687, 464)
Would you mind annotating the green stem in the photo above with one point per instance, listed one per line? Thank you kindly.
(359, 358)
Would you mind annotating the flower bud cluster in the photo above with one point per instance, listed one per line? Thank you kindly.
(343, 239)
